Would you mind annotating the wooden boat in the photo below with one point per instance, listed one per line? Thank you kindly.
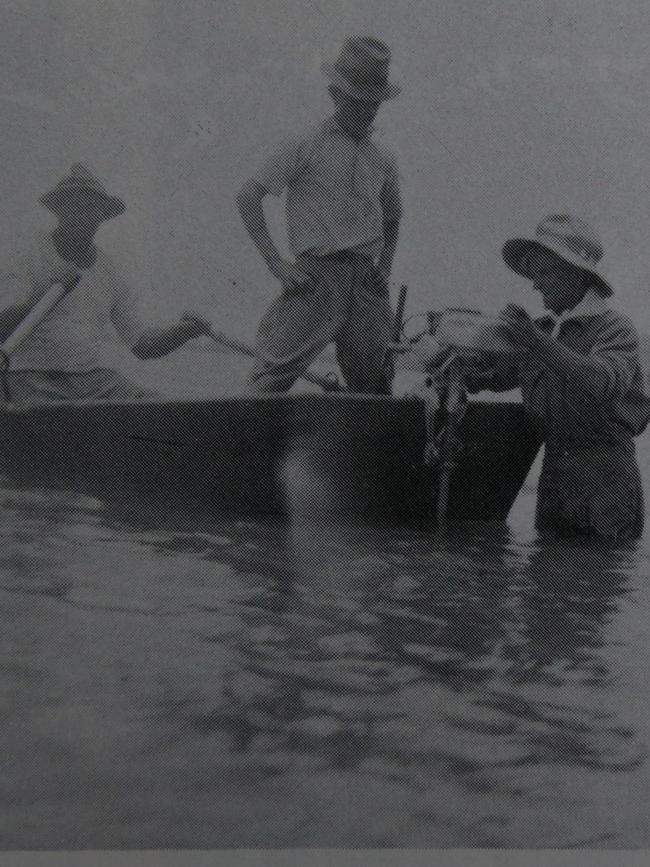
(323, 455)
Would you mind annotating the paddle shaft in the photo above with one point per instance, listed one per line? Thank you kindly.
(35, 316)
(323, 381)
(25, 327)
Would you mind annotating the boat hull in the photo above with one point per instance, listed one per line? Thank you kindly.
(358, 456)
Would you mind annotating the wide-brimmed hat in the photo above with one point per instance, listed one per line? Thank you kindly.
(81, 183)
(361, 70)
(571, 239)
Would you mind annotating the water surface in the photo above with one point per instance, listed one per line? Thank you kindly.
(168, 681)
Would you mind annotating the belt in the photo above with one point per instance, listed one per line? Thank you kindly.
(338, 256)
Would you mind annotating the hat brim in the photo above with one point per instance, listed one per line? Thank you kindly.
(518, 252)
(370, 93)
(55, 200)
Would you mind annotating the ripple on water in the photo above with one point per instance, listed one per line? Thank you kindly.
(347, 644)
(484, 720)
(383, 690)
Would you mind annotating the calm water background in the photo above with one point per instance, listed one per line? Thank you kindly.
(167, 682)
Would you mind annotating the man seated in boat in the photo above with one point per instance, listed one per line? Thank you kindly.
(61, 358)
(582, 383)
(343, 211)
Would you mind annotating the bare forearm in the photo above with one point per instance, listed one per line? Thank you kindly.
(249, 203)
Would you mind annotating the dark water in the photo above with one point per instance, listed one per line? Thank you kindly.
(167, 683)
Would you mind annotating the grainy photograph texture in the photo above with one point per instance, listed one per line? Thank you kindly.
(324, 344)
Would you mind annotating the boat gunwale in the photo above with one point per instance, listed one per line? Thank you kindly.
(275, 398)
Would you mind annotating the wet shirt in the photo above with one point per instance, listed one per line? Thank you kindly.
(340, 191)
(568, 414)
(74, 335)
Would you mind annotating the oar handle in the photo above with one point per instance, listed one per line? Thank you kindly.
(231, 343)
(36, 315)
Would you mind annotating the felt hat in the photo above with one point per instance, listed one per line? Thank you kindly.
(361, 70)
(82, 184)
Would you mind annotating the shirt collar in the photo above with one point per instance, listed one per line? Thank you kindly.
(592, 304)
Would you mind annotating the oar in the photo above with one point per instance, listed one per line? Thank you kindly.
(36, 315)
(327, 383)
(25, 327)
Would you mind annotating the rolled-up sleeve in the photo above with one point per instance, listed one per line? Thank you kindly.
(280, 169)
(391, 195)
(617, 347)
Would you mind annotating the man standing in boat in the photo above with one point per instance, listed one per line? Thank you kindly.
(61, 358)
(343, 211)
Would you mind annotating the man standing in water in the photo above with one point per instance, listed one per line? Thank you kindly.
(581, 380)
(61, 358)
(343, 212)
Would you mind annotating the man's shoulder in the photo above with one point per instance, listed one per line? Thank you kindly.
(378, 140)
(614, 321)
(104, 259)
(294, 149)
(613, 316)
(608, 319)
(385, 152)
(108, 266)
(304, 136)
(609, 327)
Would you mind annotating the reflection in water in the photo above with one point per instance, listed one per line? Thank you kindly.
(567, 597)
(253, 684)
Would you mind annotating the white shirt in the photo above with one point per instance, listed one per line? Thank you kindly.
(74, 336)
(340, 190)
